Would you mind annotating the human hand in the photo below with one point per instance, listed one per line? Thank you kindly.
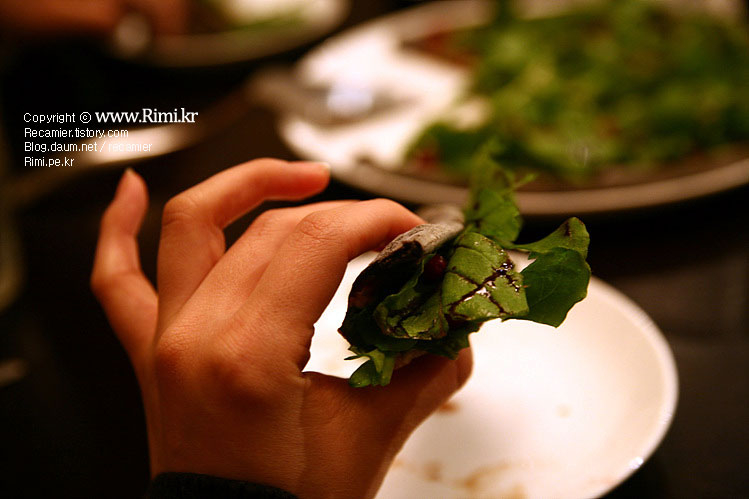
(219, 352)
(89, 16)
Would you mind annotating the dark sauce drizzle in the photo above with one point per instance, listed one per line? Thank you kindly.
(481, 290)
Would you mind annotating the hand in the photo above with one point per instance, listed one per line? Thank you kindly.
(219, 352)
(88, 16)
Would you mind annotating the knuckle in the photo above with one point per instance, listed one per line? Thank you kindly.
(107, 218)
(386, 202)
(267, 220)
(262, 170)
(387, 205)
(319, 227)
(225, 372)
(102, 283)
(168, 359)
(99, 284)
(232, 372)
(181, 209)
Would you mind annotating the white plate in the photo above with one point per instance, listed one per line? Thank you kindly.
(316, 17)
(567, 412)
(368, 154)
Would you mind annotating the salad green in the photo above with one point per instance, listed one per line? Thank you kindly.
(632, 83)
(448, 292)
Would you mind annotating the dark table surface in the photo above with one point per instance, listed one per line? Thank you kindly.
(73, 426)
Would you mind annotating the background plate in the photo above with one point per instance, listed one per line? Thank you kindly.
(367, 154)
(316, 17)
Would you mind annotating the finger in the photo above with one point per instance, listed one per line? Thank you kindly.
(233, 278)
(192, 238)
(127, 297)
(307, 269)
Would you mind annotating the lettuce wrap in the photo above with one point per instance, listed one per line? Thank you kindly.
(434, 285)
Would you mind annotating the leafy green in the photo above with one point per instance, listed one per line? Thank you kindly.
(414, 311)
(571, 235)
(491, 208)
(376, 371)
(555, 281)
(558, 277)
(480, 282)
(469, 280)
(631, 83)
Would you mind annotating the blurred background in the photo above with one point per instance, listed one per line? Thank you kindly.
(674, 239)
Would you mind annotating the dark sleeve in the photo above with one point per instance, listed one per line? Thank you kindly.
(195, 486)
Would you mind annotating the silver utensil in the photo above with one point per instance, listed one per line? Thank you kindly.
(341, 103)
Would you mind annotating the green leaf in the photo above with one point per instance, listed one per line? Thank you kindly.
(414, 311)
(426, 322)
(481, 283)
(554, 282)
(361, 330)
(491, 209)
(365, 375)
(453, 343)
(376, 371)
(572, 234)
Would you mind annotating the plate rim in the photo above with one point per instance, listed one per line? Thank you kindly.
(668, 370)
(233, 46)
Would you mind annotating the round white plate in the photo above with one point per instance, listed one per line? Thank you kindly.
(368, 154)
(567, 412)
